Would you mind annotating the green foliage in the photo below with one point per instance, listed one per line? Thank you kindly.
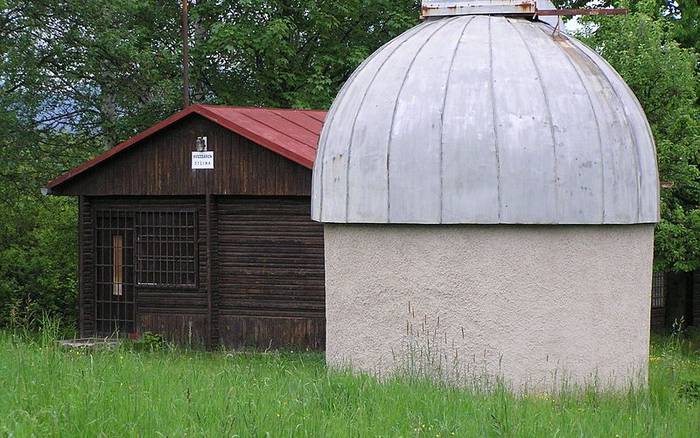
(39, 328)
(686, 18)
(48, 391)
(38, 263)
(289, 53)
(690, 390)
(103, 68)
(75, 77)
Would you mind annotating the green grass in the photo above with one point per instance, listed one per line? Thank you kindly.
(46, 391)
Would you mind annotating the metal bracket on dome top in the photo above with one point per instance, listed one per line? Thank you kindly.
(477, 7)
(573, 12)
(437, 9)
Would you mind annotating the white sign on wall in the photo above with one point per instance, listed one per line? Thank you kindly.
(202, 160)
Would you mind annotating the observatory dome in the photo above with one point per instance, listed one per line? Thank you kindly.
(485, 120)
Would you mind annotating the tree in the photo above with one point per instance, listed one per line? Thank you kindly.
(289, 53)
(682, 15)
(75, 77)
(685, 16)
(99, 68)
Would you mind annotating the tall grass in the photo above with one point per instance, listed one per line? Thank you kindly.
(45, 390)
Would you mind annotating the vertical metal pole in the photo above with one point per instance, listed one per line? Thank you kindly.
(209, 202)
(81, 265)
(185, 55)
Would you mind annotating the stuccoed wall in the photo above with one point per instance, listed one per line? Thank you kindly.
(538, 306)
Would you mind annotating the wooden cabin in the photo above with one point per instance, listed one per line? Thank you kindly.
(199, 229)
(675, 300)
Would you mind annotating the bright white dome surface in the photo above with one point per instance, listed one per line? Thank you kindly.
(485, 120)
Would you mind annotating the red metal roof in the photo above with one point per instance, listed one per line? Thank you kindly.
(291, 133)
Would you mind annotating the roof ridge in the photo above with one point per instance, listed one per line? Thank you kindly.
(262, 108)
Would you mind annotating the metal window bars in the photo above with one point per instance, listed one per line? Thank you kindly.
(114, 272)
(154, 248)
(658, 290)
(166, 249)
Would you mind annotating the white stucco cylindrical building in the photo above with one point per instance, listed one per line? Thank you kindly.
(489, 189)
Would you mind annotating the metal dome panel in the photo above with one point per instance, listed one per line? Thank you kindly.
(481, 119)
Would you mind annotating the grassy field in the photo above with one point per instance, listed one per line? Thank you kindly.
(46, 391)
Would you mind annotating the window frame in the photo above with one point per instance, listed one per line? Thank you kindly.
(118, 256)
(138, 226)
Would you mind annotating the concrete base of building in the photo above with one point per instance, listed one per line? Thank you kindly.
(532, 307)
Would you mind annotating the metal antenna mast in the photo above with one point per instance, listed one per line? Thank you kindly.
(185, 55)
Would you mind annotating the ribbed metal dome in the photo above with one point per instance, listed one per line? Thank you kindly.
(485, 120)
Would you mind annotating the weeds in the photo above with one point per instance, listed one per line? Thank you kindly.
(432, 352)
(428, 353)
(23, 319)
(152, 342)
(171, 392)
(28, 323)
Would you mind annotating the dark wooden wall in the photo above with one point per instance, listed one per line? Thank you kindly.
(678, 303)
(267, 266)
(682, 300)
(658, 318)
(271, 269)
(161, 165)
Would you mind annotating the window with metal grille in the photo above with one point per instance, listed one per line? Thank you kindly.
(166, 249)
(657, 290)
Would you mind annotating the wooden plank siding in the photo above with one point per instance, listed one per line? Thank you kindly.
(213, 274)
(271, 273)
(161, 166)
(658, 318)
(267, 270)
